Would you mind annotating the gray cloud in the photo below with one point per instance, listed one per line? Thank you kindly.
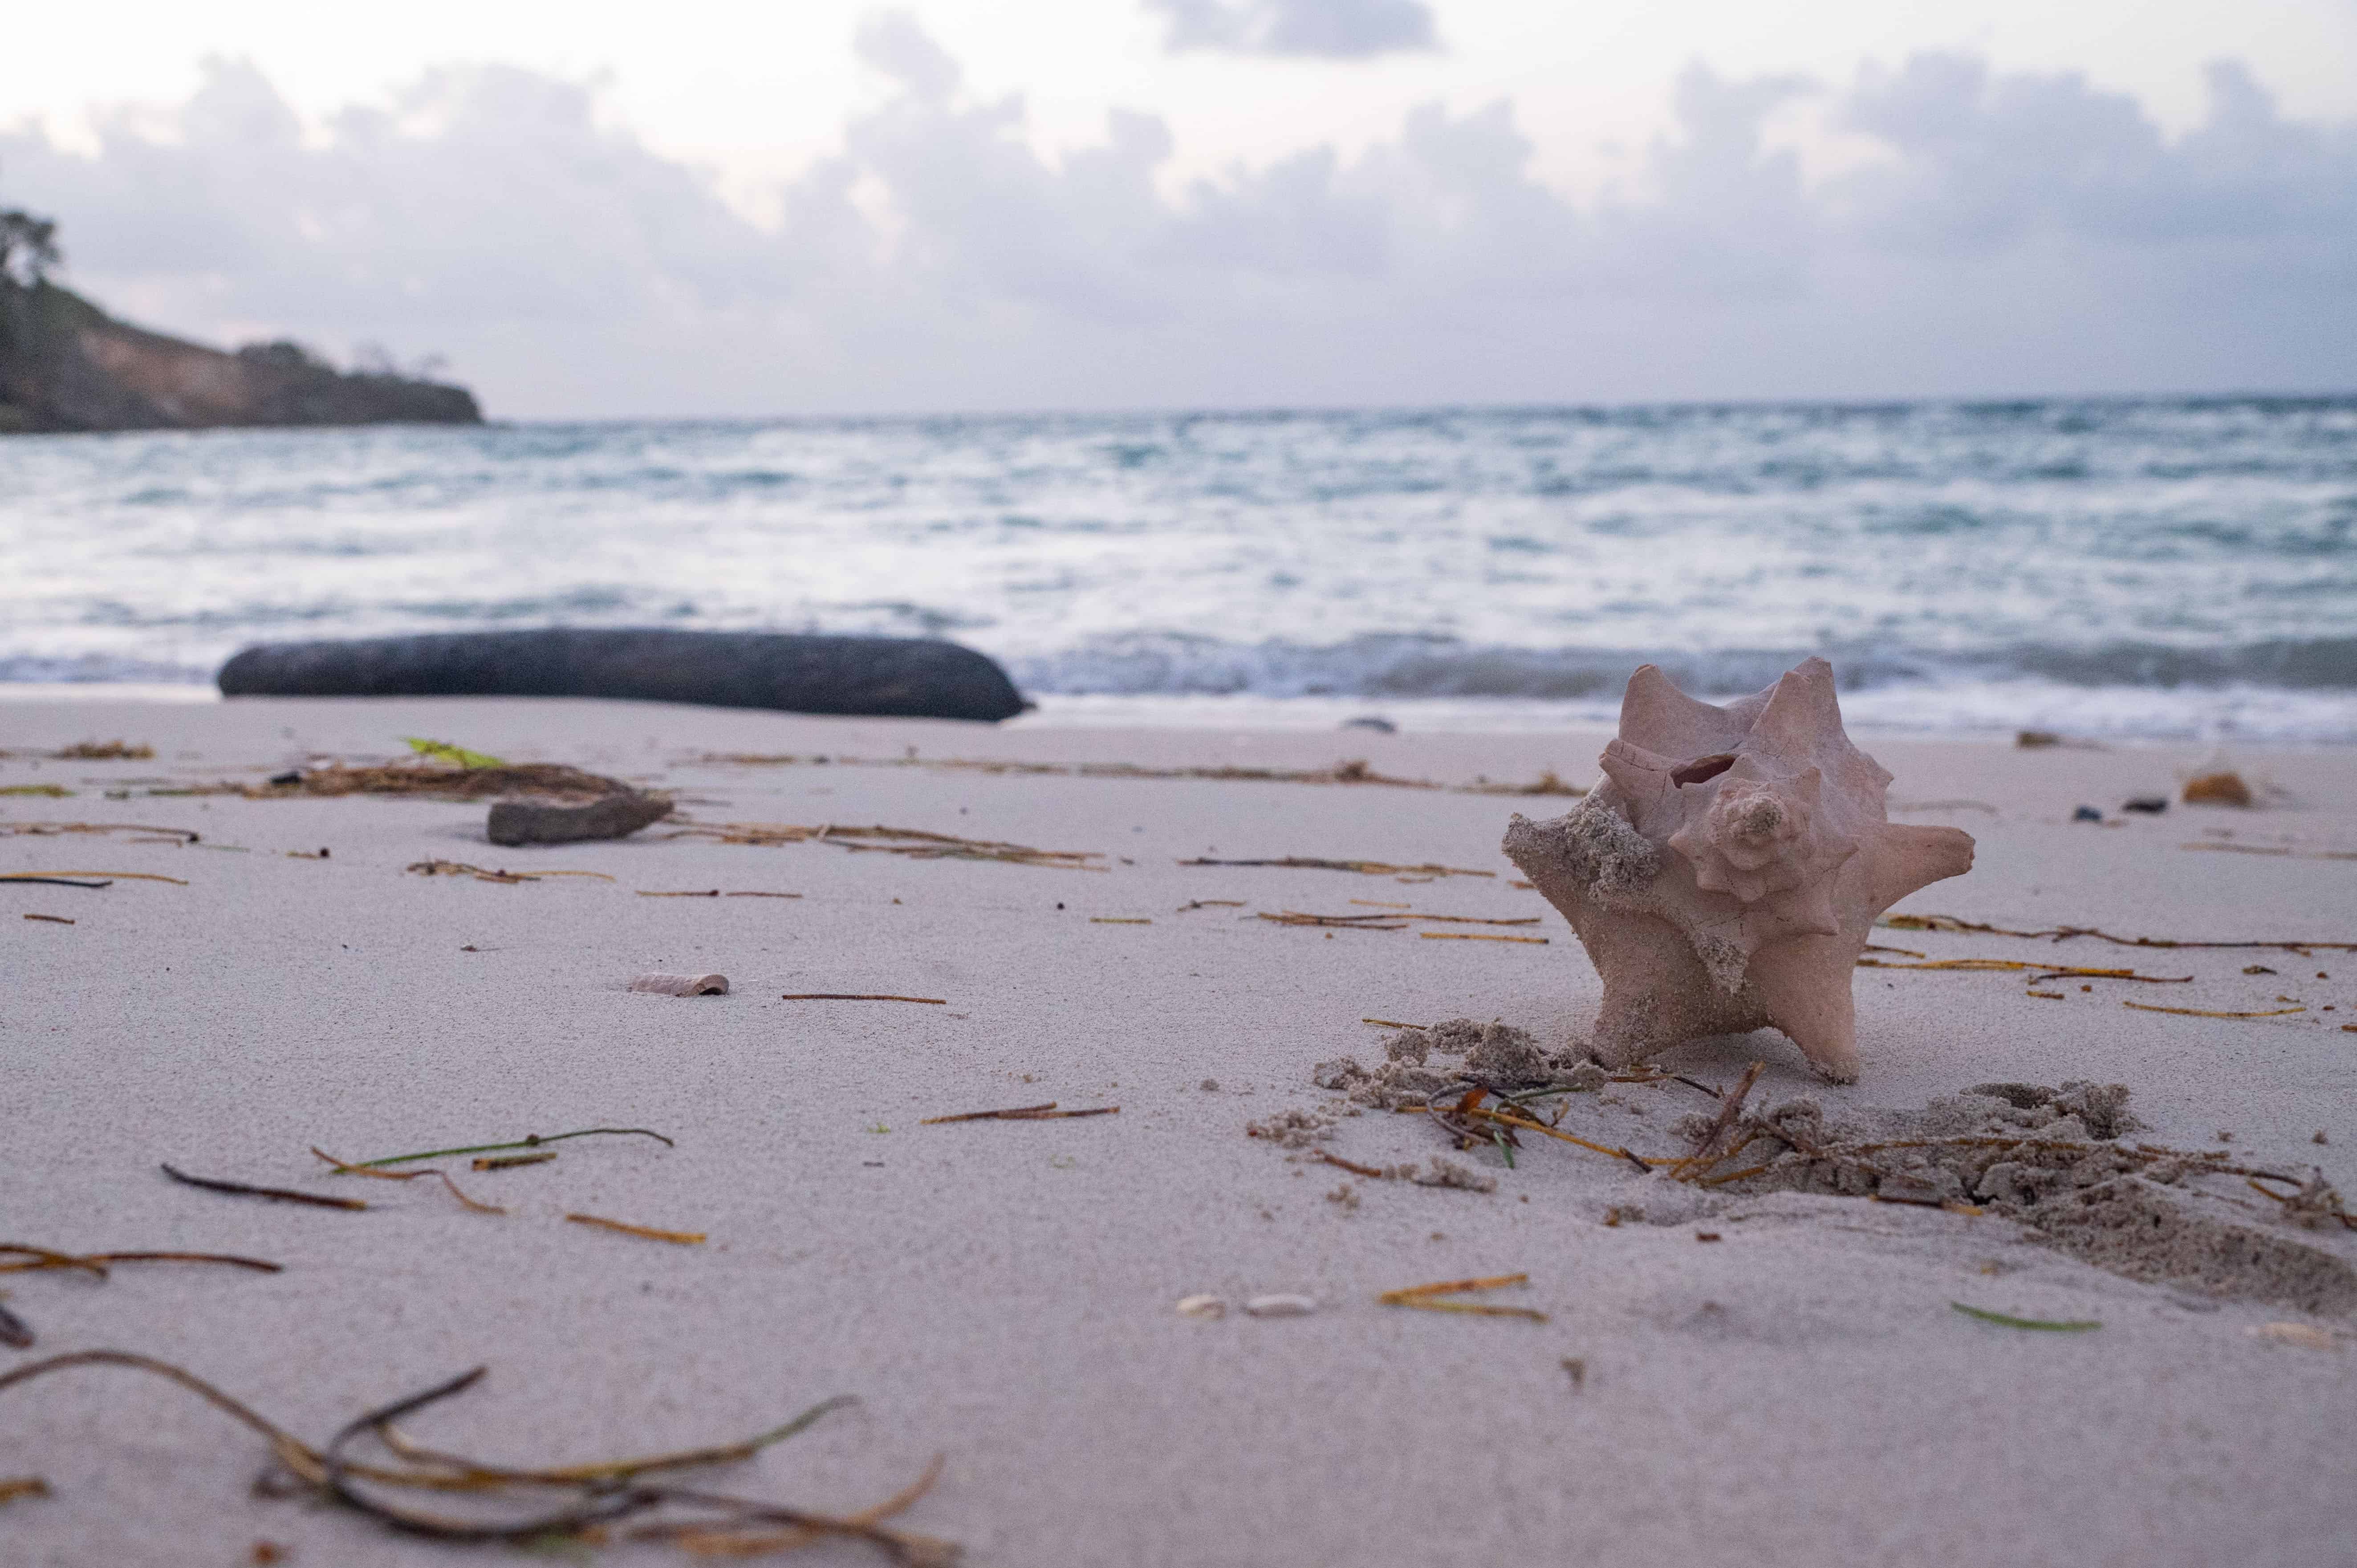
(2018, 232)
(1329, 29)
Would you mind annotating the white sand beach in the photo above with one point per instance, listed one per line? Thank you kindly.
(1769, 1378)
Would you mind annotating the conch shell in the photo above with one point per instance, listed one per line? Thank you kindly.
(1726, 874)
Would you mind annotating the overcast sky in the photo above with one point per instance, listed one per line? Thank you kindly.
(724, 208)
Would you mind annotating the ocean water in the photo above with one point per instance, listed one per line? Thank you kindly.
(2177, 569)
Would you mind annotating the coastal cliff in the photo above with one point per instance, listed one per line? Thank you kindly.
(66, 365)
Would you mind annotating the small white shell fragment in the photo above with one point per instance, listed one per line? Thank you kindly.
(1280, 1306)
(1202, 1306)
(682, 984)
(2304, 1334)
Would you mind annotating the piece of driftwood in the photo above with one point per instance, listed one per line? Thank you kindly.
(614, 816)
(882, 677)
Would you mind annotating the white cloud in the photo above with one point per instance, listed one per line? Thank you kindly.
(1329, 29)
(2012, 232)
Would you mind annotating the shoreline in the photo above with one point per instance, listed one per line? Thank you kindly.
(1316, 715)
(1004, 1295)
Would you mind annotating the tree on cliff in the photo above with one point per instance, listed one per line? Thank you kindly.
(28, 246)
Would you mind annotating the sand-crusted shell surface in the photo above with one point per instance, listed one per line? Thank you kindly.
(1724, 875)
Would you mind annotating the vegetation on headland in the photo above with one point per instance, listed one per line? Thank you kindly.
(66, 365)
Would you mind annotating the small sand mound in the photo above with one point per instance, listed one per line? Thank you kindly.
(2050, 1158)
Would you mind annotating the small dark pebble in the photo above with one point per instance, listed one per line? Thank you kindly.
(293, 776)
(2086, 814)
(2150, 805)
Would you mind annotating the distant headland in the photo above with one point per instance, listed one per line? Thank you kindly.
(66, 365)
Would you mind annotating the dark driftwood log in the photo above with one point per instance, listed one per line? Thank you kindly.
(538, 822)
(878, 677)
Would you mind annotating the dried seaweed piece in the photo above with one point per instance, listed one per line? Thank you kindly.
(1477, 937)
(276, 1194)
(2207, 1013)
(2037, 972)
(1352, 771)
(2280, 853)
(598, 1483)
(460, 868)
(509, 1162)
(1373, 1172)
(1730, 1107)
(530, 1141)
(1118, 920)
(50, 830)
(56, 881)
(1344, 922)
(699, 893)
(445, 783)
(110, 876)
(2006, 1320)
(914, 843)
(44, 1258)
(53, 920)
(858, 996)
(1364, 867)
(1046, 1113)
(1431, 1298)
(463, 1202)
(2066, 933)
(98, 1262)
(682, 1237)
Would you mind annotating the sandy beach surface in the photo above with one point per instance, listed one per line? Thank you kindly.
(1767, 1378)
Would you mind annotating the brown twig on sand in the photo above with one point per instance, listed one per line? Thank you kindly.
(2066, 933)
(53, 920)
(1429, 1298)
(1730, 1106)
(463, 1202)
(112, 876)
(859, 996)
(914, 843)
(52, 829)
(1477, 937)
(98, 1262)
(684, 1238)
(15, 1487)
(530, 1141)
(44, 1258)
(276, 1194)
(1364, 867)
(1373, 1172)
(1528, 1125)
(345, 1167)
(1342, 922)
(509, 1162)
(1046, 1113)
(460, 868)
(1390, 1023)
(2207, 1013)
(2037, 971)
(604, 1492)
(2283, 853)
